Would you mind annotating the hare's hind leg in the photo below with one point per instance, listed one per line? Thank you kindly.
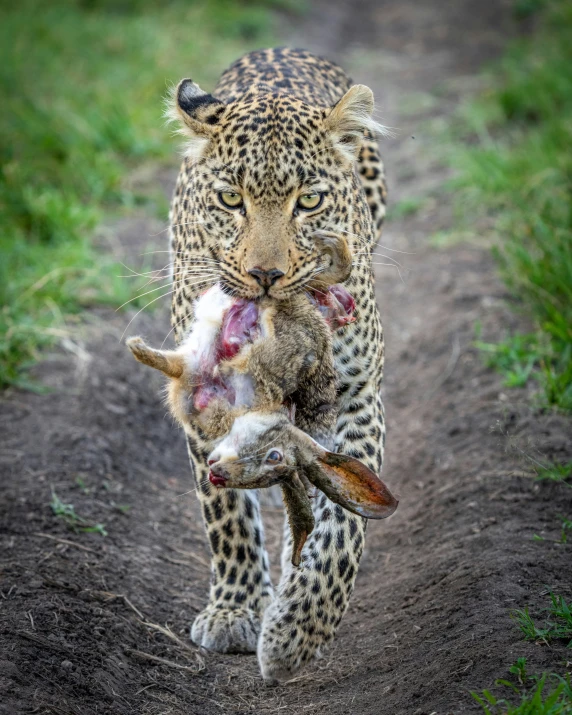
(240, 581)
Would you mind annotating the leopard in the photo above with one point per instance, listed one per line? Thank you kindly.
(284, 148)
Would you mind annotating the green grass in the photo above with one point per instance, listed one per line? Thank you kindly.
(555, 473)
(406, 207)
(75, 522)
(514, 164)
(548, 694)
(557, 626)
(515, 357)
(82, 84)
(565, 527)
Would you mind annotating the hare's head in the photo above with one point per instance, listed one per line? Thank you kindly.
(256, 453)
(264, 448)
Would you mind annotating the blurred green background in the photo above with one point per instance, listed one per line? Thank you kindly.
(82, 83)
(511, 148)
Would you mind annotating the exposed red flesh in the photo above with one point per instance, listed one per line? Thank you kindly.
(336, 305)
(345, 299)
(212, 388)
(240, 325)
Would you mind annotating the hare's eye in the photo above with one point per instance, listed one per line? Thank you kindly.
(273, 457)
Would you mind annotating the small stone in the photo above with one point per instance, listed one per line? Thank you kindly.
(66, 665)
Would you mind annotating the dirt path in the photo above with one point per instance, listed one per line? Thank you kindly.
(429, 620)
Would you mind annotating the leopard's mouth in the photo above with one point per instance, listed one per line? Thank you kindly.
(282, 289)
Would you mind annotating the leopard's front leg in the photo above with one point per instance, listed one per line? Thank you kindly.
(312, 599)
(240, 581)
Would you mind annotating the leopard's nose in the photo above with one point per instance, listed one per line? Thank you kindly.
(266, 278)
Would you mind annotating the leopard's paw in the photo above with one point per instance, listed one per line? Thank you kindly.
(284, 645)
(226, 630)
(278, 655)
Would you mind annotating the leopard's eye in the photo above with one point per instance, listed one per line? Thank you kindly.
(230, 199)
(273, 457)
(309, 202)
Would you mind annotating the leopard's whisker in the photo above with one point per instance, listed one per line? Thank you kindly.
(153, 301)
(374, 263)
(142, 309)
(381, 255)
(141, 295)
(176, 225)
(378, 245)
(179, 280)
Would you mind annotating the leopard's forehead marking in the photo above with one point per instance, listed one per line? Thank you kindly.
(270, 142)
(271, 145)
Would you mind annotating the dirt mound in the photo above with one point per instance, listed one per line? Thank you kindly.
(82, 616)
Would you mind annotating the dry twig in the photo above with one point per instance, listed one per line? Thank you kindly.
(163, 661)
(65, 541)
(164, 630)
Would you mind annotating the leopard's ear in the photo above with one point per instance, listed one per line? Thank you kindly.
(350, 118)
(167, 361)
(196, 112)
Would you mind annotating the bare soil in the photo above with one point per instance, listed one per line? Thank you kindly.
(429, 621)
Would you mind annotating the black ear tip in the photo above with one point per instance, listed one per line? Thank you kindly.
(186, 91)
(191, 98)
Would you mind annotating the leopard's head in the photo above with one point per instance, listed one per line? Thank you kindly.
(267, 175)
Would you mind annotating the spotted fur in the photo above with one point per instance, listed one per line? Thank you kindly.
(281, 122)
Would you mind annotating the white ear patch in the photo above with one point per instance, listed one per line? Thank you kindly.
(350, 118)
(194, 145)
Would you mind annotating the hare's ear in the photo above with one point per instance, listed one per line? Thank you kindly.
(196, 111)
(168, 361)
(349, 483)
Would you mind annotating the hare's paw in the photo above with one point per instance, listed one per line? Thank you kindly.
(227, 630)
